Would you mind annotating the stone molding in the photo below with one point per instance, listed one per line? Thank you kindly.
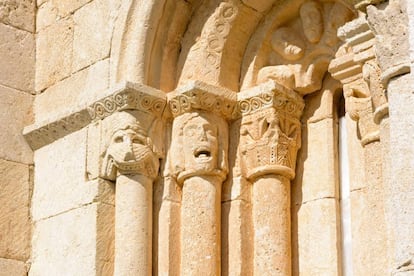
(356, 67)
(390, 26)
(270, 133)
(197, 95)
(124, 96)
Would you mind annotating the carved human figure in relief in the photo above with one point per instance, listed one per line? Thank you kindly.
(303, 48)
(129, 150)
(201, 145)
(287, 44)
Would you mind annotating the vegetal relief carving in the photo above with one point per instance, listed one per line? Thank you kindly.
(267, 141)
(303, 47)
(270, 132)
(200, 145)
(129, 149)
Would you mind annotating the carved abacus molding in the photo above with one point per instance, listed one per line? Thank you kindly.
(125, 96)
(269, 94)
(197, 95)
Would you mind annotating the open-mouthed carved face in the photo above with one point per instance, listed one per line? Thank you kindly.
(200, 144)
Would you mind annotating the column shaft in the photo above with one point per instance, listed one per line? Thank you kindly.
(200, 228)
(272, 225)
(133, 225)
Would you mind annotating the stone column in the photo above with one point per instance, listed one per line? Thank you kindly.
(270, 138)
(392, 49)
(199, 163)
(357, 69)
(132, 161)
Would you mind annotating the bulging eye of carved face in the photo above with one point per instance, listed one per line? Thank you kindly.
(128, 146)
(200, 144)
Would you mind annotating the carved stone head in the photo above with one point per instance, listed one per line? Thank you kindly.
(199, 145)
(312, 21)
(129, 150)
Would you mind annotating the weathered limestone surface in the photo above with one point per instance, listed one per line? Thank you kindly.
(77, 242)
(18, 13)
(60, 181)
(12, 267)
(54, 53)
(90, 45)
(81, 88)
(237, 238)
(16, 112)
(317, 244)
(15, 223)
(399, 209)
(93, 199)
(18, 55)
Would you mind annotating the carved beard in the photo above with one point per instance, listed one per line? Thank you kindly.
(139, 160)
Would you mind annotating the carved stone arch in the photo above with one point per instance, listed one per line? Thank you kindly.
(146, 41)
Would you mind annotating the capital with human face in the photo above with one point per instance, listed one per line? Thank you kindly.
(201, 145)
(129, 150)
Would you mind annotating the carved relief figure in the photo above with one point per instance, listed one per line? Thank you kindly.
(130, 150)
(201, 145)
(287, 44)
(303, 48)
(312, 21)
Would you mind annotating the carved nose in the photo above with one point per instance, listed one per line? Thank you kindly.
(203, 136)
(129, 155)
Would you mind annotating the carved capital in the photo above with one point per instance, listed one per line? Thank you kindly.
(129, 148)
(357, 68)
(390, 26)
(131, 123)
(358, 104)
(200, 130)
(270, 132)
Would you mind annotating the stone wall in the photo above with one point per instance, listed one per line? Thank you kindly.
(17, 73)
(213, 126)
